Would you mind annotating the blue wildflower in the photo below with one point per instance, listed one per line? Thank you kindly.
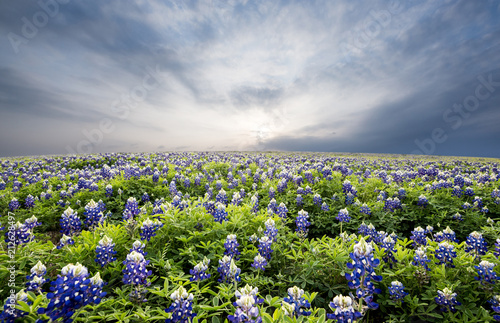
(231, 246)
(149, 228)
(296, 298)
(220, 213)
(70, 222)
(343, 309)
(485, 273)
(71, 291)
(105, 251)
(229, 272)
(136, 275)
(259, 262)
(446, 299)
(65, 241)
(476, 244)
(199, 272)
(181, 308)
(302, 224)
(397, 291)
(445, 253)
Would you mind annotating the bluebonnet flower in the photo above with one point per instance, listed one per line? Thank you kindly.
(29, 202)
(397, 291)
(422, 201)
(477, 202)
(457, 216)
(10, 312)
(447, 301)
(265, 247)
(271, 230)
(13, 204)
(93, 187)
(401, 193)
(346, 186)
(446, 235)
(495, 306)
(302, 224)
(445, 253)
(246, 306)
(236, 199)
(2, 185)
(231, 246)
(325, 207)
(272, 206)
(136, 275)
(296, 298)
(108, 190)
(343, 216)
(220, 213)
(466, 206)
(388, 244)
(420, 258)
(70, 222)
(36, 279)
(221, 197)
(156, 177)
(229, 272)
(349, 198)
(254, 201)
(18, 234)
(105, 251)
(282, 211)
(317, 200)
(259, 262)
(418, 236)
(93, 215)
(272, 193)
(485, 273)
(457, 191)
(459, 181)
(145, 197)
(343, 311)
(31, 223)
(199, 272)
(172, 188)
(131, 209)
(149, 228)
(307, 190)
(65, 241)
(181, 308)
(218, 185)
(469, 191)
(365, 209)
(299, 200)
(209, 206)
(71, 291)
(138, 246)
(363, 275)
(476, 244)
(497, 248)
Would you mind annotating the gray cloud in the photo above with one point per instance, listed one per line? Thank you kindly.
(248, 75)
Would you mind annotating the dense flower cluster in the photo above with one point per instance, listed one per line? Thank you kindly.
(71, 291)
(476, 244)
(363, 275)
(36, 279)
(343, 310)
(199, 272)
(149, 228)
(70, 222)
(105, 251)
(445, 253)
(136, 274)
(93, 215)
(181, 308)
(302, 224)
(10, 313)
(300, 304)
(231, 245)
(397, 291)
(447, 300)
(246, 306)
(485, 273)
(229, 272)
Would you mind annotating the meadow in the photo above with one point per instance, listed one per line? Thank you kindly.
(249, 237)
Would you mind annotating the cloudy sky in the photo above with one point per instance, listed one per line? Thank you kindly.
(344, 76)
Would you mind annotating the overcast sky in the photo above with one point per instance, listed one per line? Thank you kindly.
(344, 76)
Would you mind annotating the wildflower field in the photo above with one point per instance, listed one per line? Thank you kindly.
(249, 237)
